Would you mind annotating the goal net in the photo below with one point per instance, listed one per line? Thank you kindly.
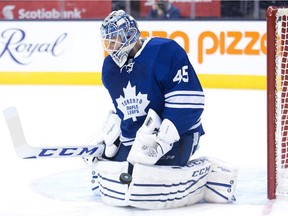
(277, 101)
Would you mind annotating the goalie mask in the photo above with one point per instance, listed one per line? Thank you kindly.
(119, 34)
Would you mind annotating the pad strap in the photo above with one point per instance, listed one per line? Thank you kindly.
(112, 191)
(221, 182)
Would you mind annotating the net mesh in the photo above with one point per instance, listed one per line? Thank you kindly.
(282, 102)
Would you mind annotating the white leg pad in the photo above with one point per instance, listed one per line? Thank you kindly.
(163, 187)
(107, 174)
(221, 182)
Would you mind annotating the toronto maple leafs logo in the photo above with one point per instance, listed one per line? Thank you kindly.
(129, 67)
(132, 105)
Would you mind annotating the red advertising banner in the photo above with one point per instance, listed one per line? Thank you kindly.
(26, 10)
(188, 8)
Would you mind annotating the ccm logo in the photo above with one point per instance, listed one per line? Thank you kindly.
(231, 43)
(49, 152)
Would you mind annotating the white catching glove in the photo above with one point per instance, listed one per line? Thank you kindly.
(153, 140)
(109, 135)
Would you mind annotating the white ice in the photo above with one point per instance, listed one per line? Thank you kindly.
(235, 125)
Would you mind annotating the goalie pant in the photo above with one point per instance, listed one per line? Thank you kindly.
(163, 187)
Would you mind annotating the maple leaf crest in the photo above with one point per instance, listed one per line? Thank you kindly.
(132, 105)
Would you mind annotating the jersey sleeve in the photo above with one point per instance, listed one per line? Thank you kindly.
(183, 93)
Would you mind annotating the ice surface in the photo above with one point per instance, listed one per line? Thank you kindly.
(235, 125)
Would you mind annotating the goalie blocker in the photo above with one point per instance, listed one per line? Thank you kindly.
(163, 187)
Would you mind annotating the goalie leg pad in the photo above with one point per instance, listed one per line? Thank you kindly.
(221, 182)
(163, 187)
(112, 191)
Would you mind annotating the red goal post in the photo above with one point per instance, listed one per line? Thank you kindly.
(277, 102)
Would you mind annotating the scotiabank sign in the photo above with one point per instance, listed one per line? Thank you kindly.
(16, 10)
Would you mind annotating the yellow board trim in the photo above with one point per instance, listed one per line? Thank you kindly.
(51, 78)
(94, 78)
(254, 82)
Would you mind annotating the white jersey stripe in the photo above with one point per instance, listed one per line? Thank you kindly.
(185, 100)
(181, 106)
(126, 141)
(199, 93)
(196, 125)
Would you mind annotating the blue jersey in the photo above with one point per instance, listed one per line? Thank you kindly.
(160, 77)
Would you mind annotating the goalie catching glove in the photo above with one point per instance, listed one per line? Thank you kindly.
(153, 140)
(109, 135)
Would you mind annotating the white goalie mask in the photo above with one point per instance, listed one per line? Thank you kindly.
(119, 34)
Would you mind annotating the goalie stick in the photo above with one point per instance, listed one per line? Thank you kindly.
(26, 151)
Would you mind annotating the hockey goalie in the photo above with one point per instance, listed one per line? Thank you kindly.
(142, 156)
(154, 132)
